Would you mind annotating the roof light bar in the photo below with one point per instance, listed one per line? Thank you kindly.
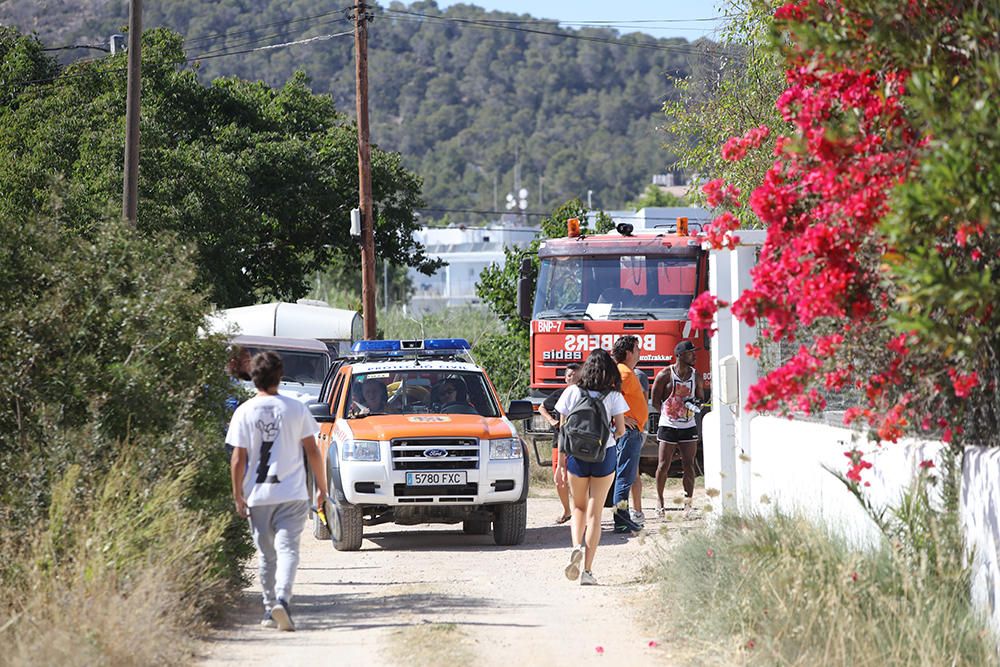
(400, 347)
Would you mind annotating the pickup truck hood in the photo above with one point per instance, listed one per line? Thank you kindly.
(389, 427)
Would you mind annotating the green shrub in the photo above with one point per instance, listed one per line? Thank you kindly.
(100, 346)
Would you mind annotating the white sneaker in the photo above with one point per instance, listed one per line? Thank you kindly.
(660, 513)
(587, 579)
(637, 516)
(575, 558)
(688, 508)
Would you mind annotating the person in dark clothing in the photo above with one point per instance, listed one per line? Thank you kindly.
(548, 411)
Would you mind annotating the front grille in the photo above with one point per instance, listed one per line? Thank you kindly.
(402, 490)
(410, 454)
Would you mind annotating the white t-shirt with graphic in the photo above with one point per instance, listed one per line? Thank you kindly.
(614, 404)
(271, 429)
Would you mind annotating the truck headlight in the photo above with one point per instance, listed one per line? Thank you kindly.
(505, 448)
(360, 450)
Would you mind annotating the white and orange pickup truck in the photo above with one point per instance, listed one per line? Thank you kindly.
(413, 432)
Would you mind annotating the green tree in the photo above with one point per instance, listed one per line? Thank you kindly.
(260, 180)
(466, 100)
(724, 96)
(653, 195)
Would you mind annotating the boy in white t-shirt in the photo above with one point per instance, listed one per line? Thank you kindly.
(269, 434)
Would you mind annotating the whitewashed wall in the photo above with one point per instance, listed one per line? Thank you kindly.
(787, 471)
(980, 510)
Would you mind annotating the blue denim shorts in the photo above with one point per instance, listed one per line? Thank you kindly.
(585, 469)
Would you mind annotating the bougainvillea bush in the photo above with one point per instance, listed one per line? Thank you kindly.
(882, 211)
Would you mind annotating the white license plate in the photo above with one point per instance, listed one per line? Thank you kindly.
(435, 478)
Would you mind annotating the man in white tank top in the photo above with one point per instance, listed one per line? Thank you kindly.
(677, 391)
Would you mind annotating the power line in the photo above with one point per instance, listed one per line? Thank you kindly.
(317, 38)
(265, 25)
(71, 47)
(486, 24)
(257, 40)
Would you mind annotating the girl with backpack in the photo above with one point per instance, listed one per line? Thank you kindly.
(590, 480)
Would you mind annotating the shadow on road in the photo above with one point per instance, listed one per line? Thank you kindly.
(370, 610)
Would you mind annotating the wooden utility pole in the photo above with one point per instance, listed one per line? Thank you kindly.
(368, 285)
(130, 196)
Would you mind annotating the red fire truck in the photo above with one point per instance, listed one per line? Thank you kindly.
(593, 289)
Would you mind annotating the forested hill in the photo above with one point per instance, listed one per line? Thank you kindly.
(460, 93)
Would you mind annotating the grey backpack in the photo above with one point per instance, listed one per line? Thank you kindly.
(586, 428)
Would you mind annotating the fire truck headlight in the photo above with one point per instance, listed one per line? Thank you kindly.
(540, 424)
(505, 448)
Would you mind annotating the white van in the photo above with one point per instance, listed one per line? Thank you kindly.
(306, 361)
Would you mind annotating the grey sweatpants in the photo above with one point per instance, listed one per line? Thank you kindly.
(276, 530)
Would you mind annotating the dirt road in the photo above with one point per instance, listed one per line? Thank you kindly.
(433, 595)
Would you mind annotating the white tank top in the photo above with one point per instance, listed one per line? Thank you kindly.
(674, 412)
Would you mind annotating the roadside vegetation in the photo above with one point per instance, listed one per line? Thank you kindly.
(118, 539)
(783, 590)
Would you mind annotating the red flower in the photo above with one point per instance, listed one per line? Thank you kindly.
(927, 464)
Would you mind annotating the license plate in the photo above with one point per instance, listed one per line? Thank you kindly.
(435, 478)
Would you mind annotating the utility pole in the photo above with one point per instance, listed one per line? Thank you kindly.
(368, 285)
(130, 195)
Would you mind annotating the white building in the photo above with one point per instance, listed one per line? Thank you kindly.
(467, 251)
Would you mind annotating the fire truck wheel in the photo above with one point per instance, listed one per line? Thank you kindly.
(510, 523)
(476, 526)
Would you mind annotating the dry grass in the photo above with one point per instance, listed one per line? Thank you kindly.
(431, 645)
(783, 591)
(117, 579)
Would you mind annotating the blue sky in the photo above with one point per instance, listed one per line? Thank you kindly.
(639, 12)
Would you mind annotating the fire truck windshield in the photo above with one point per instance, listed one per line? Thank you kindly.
(624, 287)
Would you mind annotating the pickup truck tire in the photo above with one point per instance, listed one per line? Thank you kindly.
(347, 522)
(320, 531)
(510, 523)
(476, 526)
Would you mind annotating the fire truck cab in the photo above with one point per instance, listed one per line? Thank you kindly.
(593, 289)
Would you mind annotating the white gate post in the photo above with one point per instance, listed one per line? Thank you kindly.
(718, 445)
(743, 259)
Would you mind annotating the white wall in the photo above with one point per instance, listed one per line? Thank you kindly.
(980, 509)
(787, 471)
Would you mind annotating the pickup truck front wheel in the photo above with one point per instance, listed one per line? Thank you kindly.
(346, 525)
(510, 523)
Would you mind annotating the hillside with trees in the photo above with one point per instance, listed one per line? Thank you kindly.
(468, 97)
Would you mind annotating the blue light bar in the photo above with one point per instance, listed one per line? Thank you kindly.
(447, 344)
(439, 345)
(376, 346)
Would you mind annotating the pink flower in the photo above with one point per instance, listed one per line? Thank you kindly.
(599, 650)
(710, 553)
(651, 643)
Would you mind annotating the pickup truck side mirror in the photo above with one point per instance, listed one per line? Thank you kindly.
(519, 410)
(321, 412)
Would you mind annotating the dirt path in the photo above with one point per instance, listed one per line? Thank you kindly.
(432, 595)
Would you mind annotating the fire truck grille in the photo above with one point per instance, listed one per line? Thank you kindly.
(435, 454)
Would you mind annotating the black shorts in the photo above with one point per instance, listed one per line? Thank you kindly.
(675, 435)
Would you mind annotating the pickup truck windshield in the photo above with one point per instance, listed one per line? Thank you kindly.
(632, 287)
(420, 391)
